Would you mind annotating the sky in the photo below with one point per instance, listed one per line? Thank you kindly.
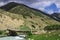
(48, 6)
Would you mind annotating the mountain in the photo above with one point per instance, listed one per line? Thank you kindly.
(56, 15)
(53, 10)
(7, 22)
(9, 6)
(23, 17)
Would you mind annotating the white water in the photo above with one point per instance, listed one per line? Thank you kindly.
(12, 38)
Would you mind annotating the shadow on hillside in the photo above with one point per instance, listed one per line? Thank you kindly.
(9, 6)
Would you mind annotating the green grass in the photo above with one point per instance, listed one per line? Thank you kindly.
(47, 36)
(24, 28)
(3, 33)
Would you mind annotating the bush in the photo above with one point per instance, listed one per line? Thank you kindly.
(29, 34)
(1, 32)
(52, 27)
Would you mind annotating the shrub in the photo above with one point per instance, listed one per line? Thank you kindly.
(1, 32)
(52, 27)
(29, 34)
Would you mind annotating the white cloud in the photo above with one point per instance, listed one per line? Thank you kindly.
(43, 3)
(50, 11)
(40, 5)
(58, 5)
(59, 11)
(2, 3)
(41, 8)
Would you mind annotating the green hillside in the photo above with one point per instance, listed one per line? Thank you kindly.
(10, 20)
(23, 16)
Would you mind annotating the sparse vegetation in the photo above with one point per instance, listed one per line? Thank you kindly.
(24, 28)
(52, 27)
(20, 14)
(3, 33)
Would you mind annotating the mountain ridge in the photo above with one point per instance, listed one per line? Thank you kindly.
(16, 4)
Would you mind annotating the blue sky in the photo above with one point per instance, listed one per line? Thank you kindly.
(49, 6)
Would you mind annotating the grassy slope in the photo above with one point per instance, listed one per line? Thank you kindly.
(26, 12)
(10, 20)
(32, 18)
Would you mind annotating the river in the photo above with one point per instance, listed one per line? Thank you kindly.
(12, 38)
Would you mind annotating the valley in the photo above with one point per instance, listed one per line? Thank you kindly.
(19, 17)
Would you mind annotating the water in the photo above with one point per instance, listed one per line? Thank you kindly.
(12, 38)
